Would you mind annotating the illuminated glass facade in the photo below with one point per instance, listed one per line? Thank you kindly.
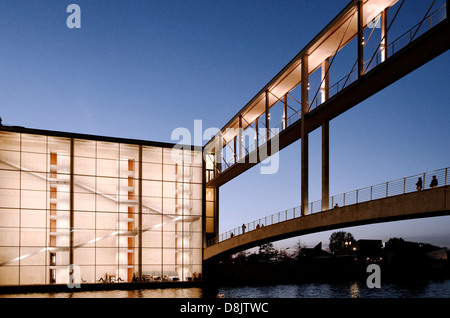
(120, 210)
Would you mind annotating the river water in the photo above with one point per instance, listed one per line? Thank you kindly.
(416, 289)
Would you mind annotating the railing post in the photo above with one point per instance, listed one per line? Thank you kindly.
(404, 185)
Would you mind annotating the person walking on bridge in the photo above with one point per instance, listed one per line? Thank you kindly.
(434, 182)
(419, 184)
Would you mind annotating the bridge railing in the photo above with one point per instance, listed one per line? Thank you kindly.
(429, 22)
(406, 38)
(375, 192)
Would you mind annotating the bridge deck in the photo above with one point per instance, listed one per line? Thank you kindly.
(426, 203)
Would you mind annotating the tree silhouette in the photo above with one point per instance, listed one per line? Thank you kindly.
(340, 241)
(267, 252)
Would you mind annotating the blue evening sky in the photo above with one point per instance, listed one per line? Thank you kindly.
(140, 69)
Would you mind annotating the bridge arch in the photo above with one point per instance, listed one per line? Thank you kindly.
(420, 204)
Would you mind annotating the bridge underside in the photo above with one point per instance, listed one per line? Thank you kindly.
(426, 203)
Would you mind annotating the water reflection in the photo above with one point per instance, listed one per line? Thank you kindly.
(354, 290)
(427, 289)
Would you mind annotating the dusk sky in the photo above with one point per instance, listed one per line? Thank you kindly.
(140, 69)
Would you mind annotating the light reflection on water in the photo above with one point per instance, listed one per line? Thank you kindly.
(426, 289)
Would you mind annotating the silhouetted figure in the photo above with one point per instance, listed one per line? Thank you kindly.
(434, 182)
(419, 184)
(336, 206)
(1, 122)
(243, 228)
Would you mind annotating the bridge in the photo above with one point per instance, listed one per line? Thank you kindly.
(391, 201)
(293, 104)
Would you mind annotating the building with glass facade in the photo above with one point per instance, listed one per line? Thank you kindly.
(120, 210)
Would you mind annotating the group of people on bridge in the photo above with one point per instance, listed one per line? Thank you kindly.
(433, 184)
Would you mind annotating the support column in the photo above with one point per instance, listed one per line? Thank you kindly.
(360, 38)
(325, 165)
(325, 86)
(241, 142)
(325, 141)
(71, 207)
(256, 139)
(140, 216)
(235, 157)
(304, 137)
(285, 112)
(267, 117)
(384, 39)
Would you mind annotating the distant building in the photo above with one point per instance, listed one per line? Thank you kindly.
(316, 251)
(368, 249)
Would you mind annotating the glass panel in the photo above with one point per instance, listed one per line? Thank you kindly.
(172, 156)
(107, 150)
(34, 143)
(34, 181)
(210, 209)
(85, 148)
(9, 141)
(9, 217)
(152, 171)
(34, 162)
(107, 168)
(84, 166)
(9, 198)
(33, 218)
(58, 145)
(9, 179)
(209, 225)
(152, 154)
(152, 188)
(9, 160)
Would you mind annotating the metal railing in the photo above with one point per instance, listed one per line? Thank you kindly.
(409, 36)
(375, 192)
(430, 21)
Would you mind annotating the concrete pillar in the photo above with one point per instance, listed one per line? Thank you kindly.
(241, 141)
(267, 117)
(325, 86)
(285, 112)
(71, 204)
(140, 205)
(325, 140)
(304, 137)
(384, 35)
(360, 38)
(325, 165)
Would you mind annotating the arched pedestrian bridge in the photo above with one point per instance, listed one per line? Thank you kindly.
(390, 201)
